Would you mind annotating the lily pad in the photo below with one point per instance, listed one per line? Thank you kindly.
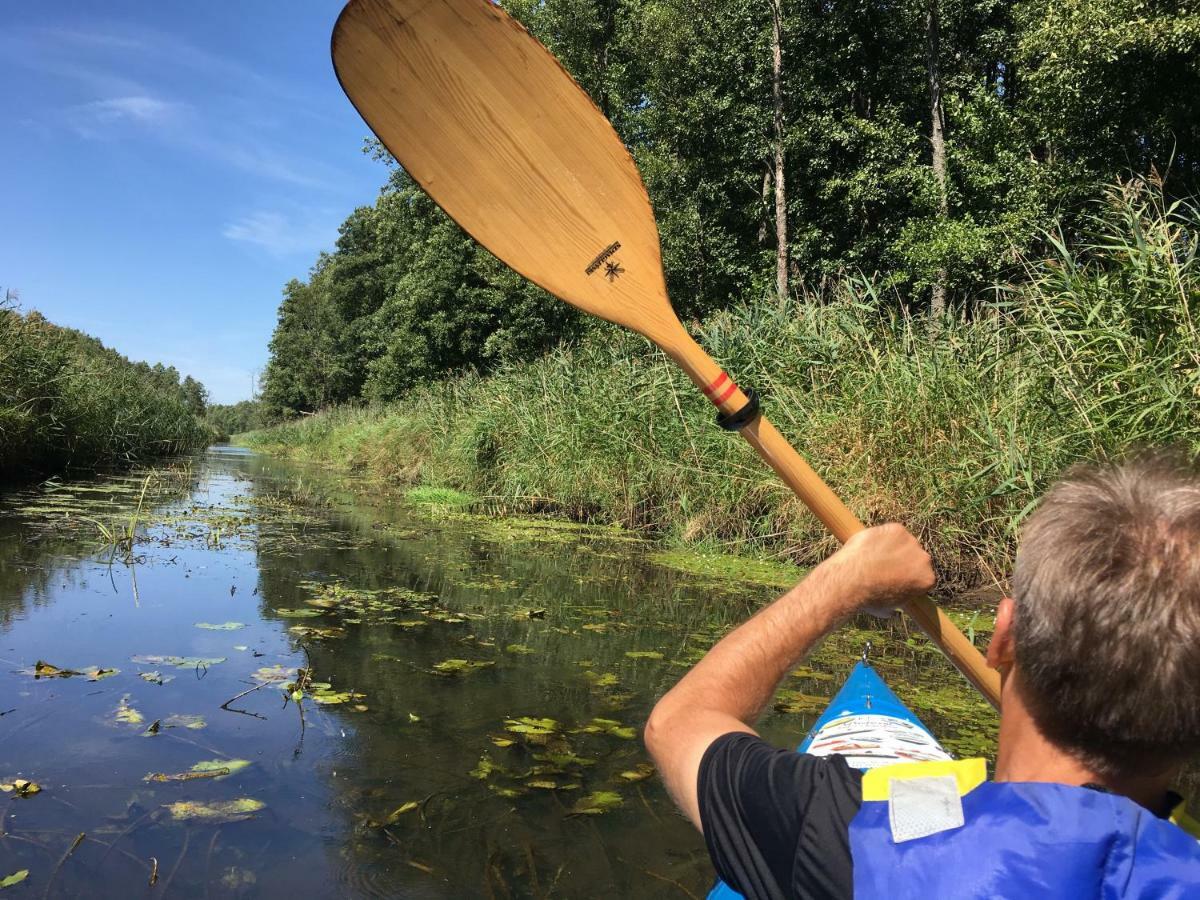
(640, 772)
(394, 816)
(212, 765)
(22, 787)
(223, 626)
(509, 793)
(460, 666)
(15, 878)
(643, 654)
(607, 726)
(601, 679)
(179, 662)
(333, 698)
(184, 721)
(155, 677)
(126, 714)
(316, 632)
(274, 674)
(216, 812)
(299, 613)
(596, 803)
(43, 669)
(519, 648)
(484, 768)
(184, 776)
(530, 726)
(547, 784)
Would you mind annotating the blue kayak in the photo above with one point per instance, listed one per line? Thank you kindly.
(867, 724)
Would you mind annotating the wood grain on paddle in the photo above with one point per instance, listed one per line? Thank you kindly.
(491, 126)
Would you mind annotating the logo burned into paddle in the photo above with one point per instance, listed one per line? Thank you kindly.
(490, 125)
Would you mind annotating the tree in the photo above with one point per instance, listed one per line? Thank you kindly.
(194, 395)
(781, 244)
(937, 138)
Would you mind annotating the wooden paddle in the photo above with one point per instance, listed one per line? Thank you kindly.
(491, 126)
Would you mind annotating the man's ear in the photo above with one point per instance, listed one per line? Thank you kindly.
(1001, 651)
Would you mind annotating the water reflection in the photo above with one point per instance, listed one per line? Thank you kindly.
(431, 778)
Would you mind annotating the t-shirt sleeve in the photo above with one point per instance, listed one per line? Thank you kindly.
(777, 822)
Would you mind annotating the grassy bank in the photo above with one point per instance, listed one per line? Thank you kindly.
(954, 429)
(69, 403)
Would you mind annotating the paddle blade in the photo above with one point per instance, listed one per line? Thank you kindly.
(492, 127)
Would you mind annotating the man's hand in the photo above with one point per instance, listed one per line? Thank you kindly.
(882, 568)
(727, 690)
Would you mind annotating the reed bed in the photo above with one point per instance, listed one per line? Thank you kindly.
(954, 427)
(68, 403)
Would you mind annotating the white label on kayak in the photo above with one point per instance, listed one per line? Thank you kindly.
(867, 741)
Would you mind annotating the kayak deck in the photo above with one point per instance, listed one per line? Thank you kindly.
(867, 724)
(870, 726)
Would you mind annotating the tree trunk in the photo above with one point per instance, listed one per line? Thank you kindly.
(937, 139)
(781, 238)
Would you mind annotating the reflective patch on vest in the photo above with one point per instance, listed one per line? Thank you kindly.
(919, 807)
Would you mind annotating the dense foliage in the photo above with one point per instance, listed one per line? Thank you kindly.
(228, 419)
(1042, 103)
(955, 429)
(69, 402)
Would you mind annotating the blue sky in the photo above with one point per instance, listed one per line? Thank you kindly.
(168, 166)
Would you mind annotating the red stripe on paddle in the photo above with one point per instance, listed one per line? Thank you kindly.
(715, 386)
(718, 392)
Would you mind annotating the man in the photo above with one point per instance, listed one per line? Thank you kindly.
(1099, 655)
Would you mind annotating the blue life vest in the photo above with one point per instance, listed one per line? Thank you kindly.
(932, 830)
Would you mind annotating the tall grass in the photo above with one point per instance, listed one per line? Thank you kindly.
(954, 429)
(67, 402)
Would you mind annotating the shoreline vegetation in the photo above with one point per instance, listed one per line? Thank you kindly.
(68, 403)
(953, 426)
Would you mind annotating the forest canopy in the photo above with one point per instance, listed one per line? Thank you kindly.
(925, 147)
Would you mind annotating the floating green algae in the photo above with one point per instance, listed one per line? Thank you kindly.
(439, 496)
(728, 569)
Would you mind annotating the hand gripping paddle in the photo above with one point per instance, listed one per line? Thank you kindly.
(493, 128)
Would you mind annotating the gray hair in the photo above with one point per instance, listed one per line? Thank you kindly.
(1107, 631)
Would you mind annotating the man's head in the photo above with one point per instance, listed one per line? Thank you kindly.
(1106, 614)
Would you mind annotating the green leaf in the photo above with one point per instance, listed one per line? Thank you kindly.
(639, 773)
(596, 803)
(22, 787)
(212, 765)
(216, 812)
(224, 626)
(643, 654)
(179, 662)
(184, 721)
(15, 878)
(299, 613)
(531, 726)
(483, 768)
(460, 666)
(126, 714)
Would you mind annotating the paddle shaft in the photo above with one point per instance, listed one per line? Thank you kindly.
(492, 127)
(826, 505)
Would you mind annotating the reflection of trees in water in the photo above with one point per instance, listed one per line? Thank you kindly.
(476, 841)
(40, 546)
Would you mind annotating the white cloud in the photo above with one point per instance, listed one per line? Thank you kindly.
(281, 235)
(139, 109)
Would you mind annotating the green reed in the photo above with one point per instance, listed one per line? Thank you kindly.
(953, 427)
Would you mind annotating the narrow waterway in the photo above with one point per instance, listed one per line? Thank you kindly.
(470, 692)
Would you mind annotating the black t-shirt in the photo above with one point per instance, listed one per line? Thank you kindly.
(777, 822)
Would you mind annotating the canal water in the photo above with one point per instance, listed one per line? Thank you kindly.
(234, 677)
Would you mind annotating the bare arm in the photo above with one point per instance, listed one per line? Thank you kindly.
(727, 690)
